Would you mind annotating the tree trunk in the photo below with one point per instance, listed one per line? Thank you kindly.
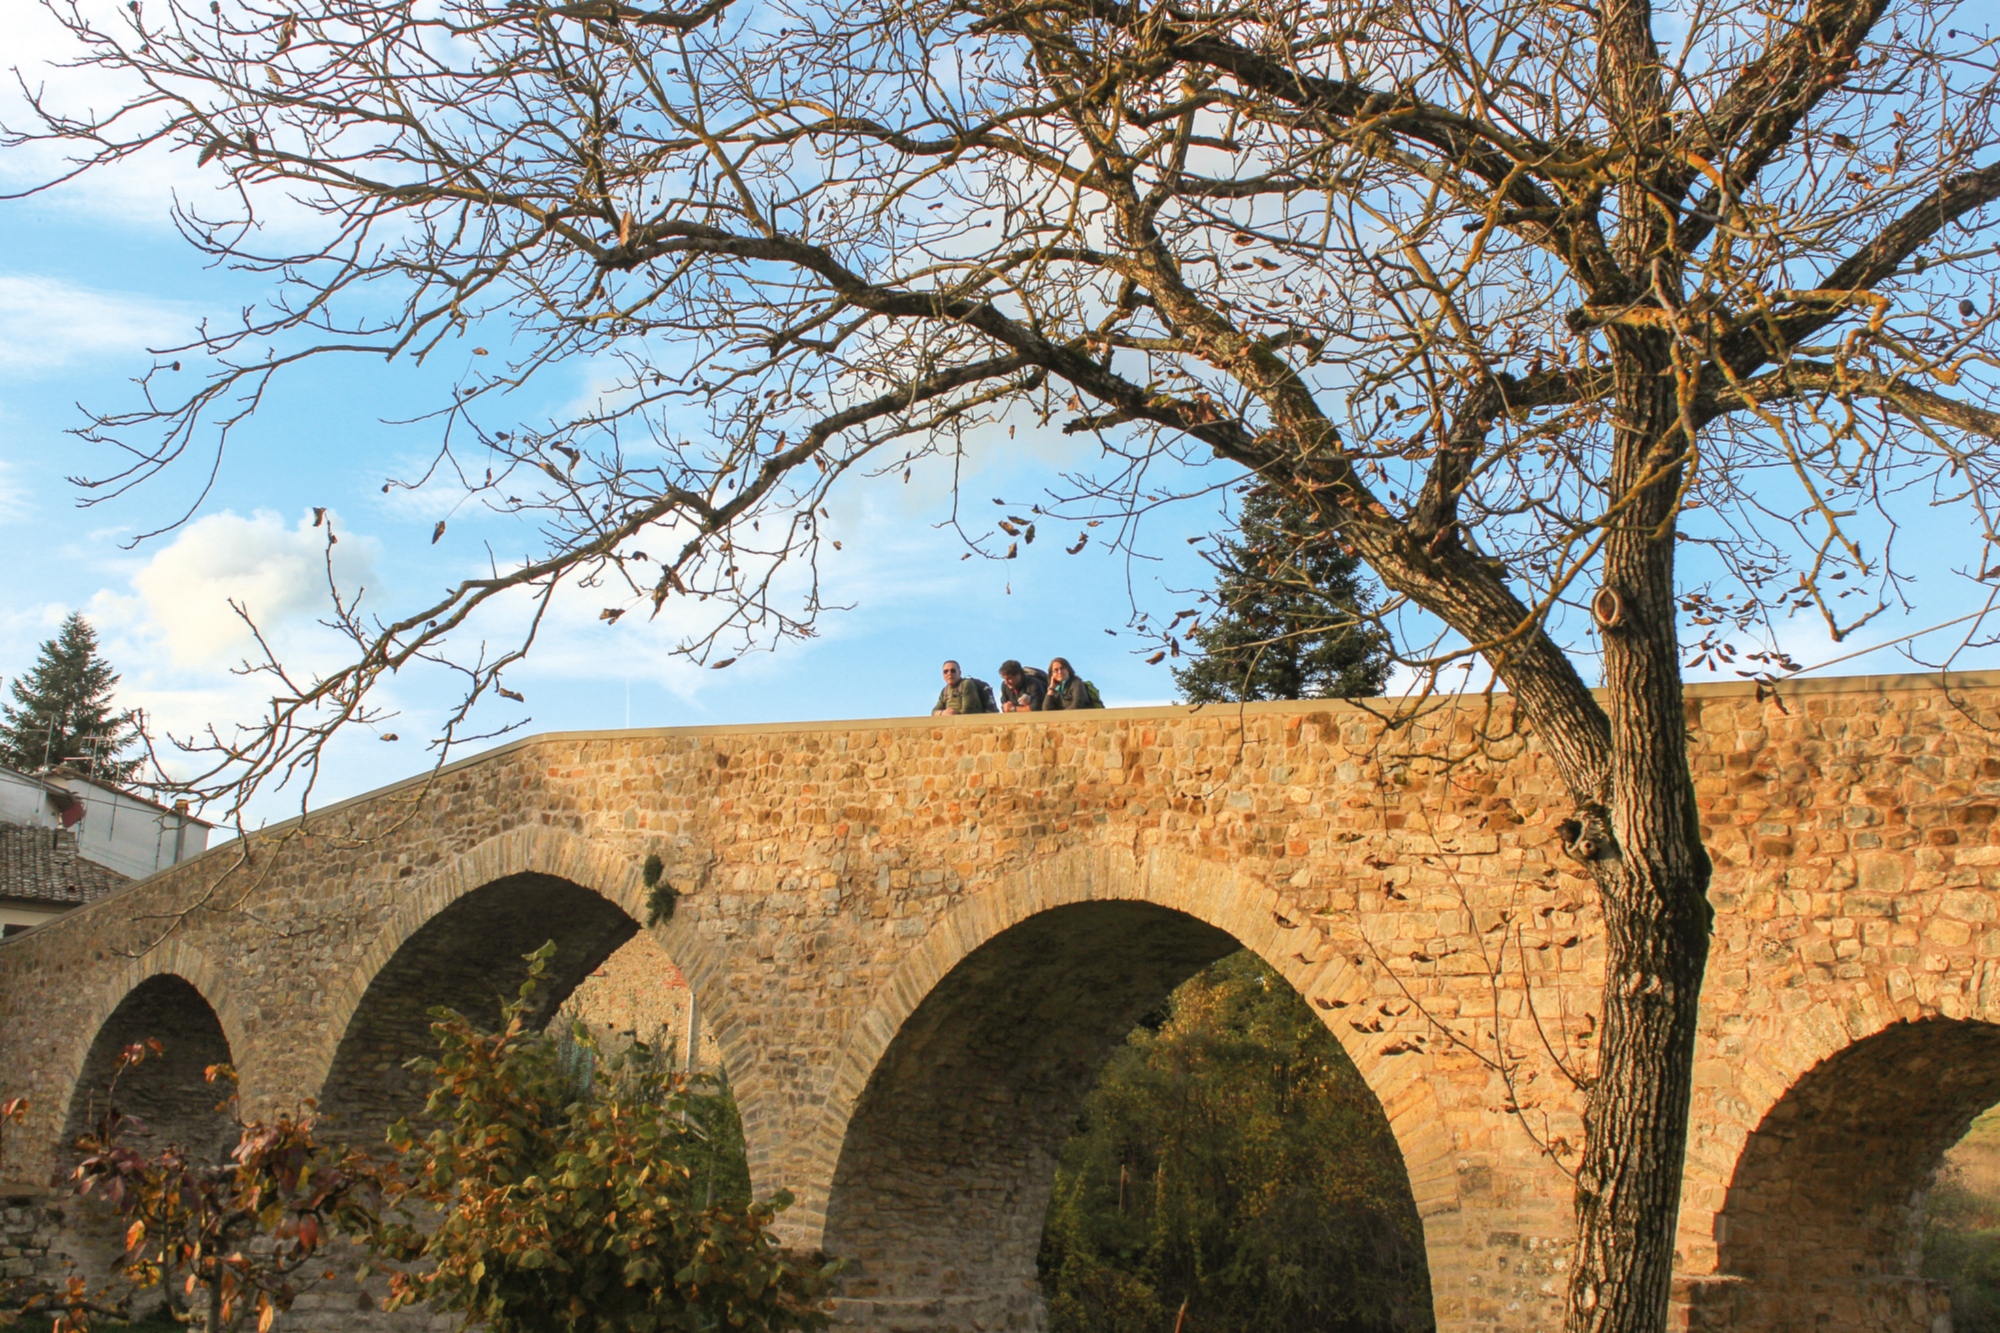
(1635, 1125)
(1644, 848)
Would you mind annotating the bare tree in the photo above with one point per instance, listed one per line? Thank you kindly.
(1519, 296)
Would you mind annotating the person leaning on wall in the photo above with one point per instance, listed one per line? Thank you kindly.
(1067, 690)
(963, 694)
(1021, 689)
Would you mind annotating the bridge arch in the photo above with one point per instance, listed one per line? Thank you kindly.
(457, 938)
(959, 1086)
(1822, 1221)
(177, 997)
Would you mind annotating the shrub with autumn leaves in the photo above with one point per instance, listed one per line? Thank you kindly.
(549, 1189)
(228, 1239)
(573, 1195)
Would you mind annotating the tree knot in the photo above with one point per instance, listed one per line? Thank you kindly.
(1588, 837)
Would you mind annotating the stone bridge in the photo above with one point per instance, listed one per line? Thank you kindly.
(914, 941)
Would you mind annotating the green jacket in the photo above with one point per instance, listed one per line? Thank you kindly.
(1072, 693)
(970, 696)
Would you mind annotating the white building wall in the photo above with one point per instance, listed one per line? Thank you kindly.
(26, 800)
(16, 917)
(131, 836)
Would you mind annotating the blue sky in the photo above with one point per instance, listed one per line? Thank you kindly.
(80, 299)
(93, 275)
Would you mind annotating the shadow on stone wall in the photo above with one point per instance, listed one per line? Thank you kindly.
(469, 957)
(168, 1092)
(1823, 1225)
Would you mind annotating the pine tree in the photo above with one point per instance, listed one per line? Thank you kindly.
(62, 712)
(1285, 625)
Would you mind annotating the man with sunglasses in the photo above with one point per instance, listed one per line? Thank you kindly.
(963, 694)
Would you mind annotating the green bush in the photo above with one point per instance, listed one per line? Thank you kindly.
(1232, 1158)
(1962, 1249)
(587, 1195)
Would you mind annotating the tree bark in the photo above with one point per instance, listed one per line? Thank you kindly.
(1644, 848)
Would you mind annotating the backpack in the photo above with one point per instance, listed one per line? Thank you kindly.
(1091, 698)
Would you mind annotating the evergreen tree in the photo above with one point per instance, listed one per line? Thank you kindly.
(62, 712)
(1285, 625)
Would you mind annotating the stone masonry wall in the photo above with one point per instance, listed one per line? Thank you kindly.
(841, 884)
(32, 1243)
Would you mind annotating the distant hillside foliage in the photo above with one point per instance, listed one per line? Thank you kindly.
(1232, 1157)
(1962, 1235)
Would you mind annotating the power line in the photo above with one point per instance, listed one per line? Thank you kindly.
(1890, 643)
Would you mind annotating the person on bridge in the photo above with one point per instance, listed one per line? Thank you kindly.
(1066, 690)
(963, 694)
(1021, 691)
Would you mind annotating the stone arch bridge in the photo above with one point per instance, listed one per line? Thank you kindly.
(915, 940)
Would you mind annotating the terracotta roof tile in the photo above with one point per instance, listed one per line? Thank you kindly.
(42, 865)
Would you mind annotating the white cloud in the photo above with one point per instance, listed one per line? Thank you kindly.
(574, 645)
(14, 493)
(46, 323)
(38, 46)
(1888, 645)
(181, 597)
(23, 629)
(139, 191)
(179, 646)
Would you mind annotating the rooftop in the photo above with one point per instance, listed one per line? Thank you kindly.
(42, 865)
